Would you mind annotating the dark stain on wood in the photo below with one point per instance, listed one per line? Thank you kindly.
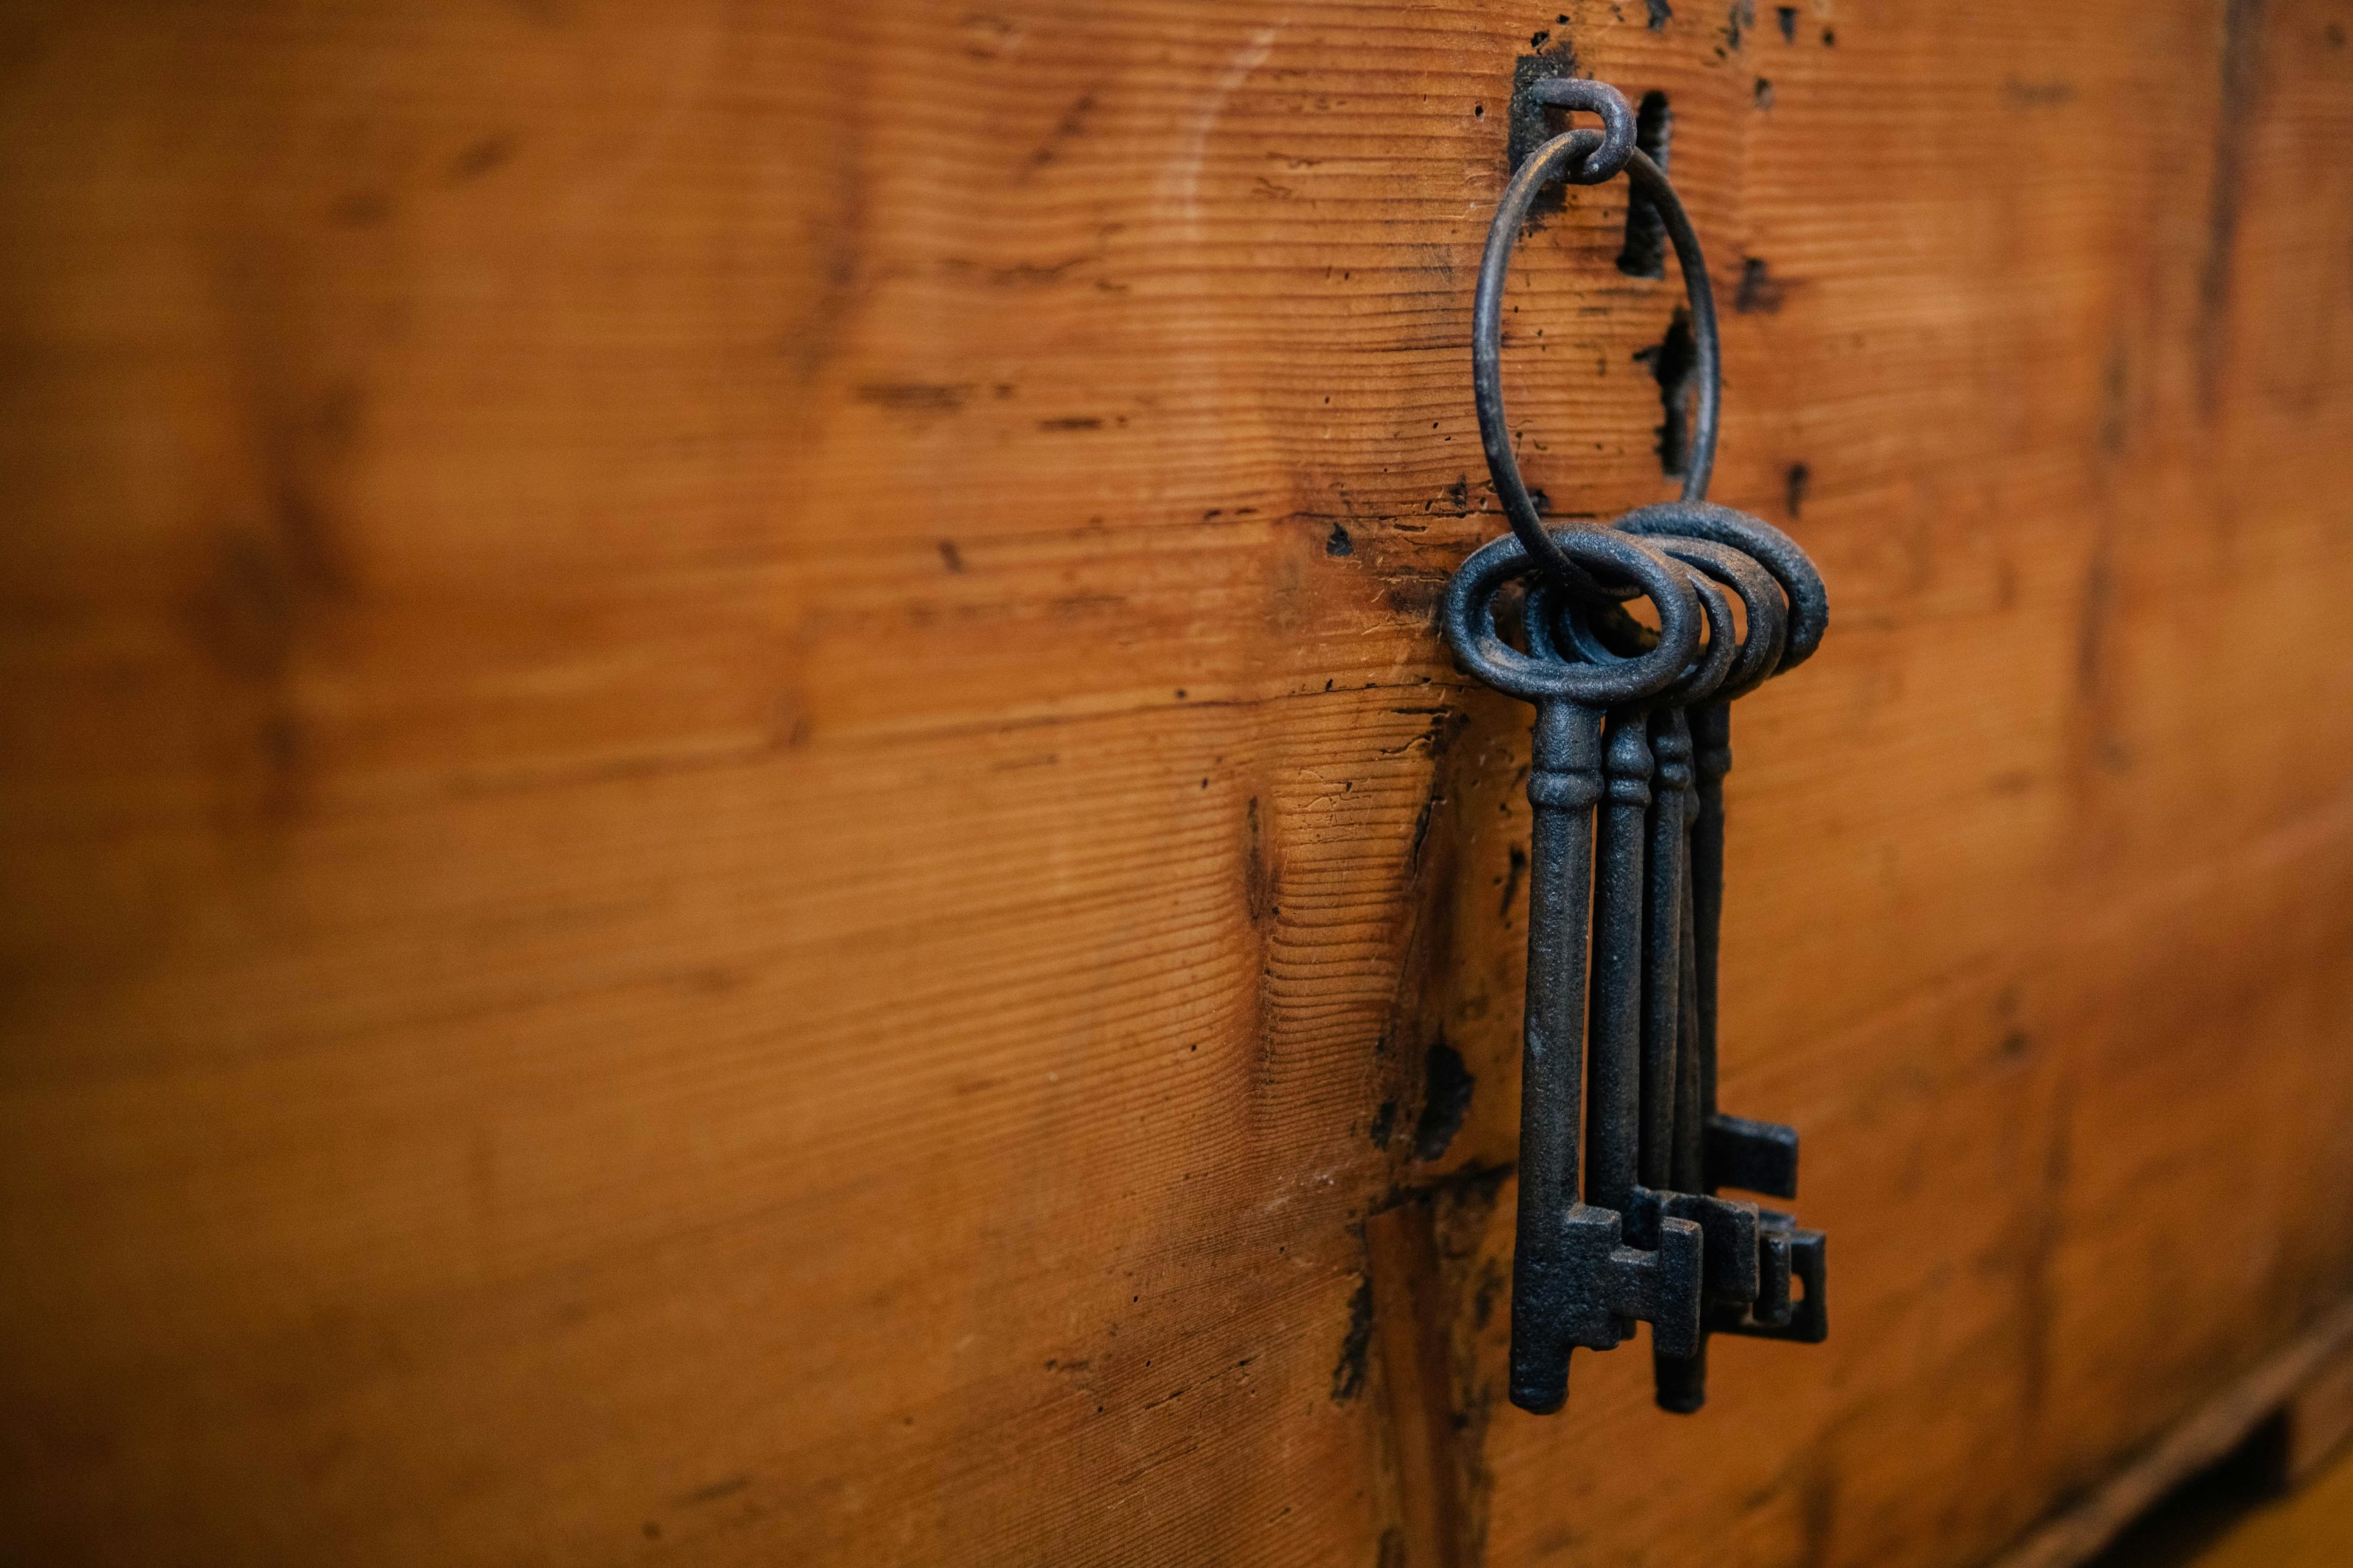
(361, 209)
(1446, 1088)
(1760, 293)
(480, 158)
(1818, 1513)
(1671, 360)
(1530, 124)
(2022, 94)
(1257, 870)
(1416, 1307)
(2042, 1223)
(915, 396)
(1515, 873)
(716, 1491)
(2242, 22)
(1645, 252)
(1356, 1344)
(2115, 405)
(1067, 129)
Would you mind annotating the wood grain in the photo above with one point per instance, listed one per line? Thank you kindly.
(734, 833)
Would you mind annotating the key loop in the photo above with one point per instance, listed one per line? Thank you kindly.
(1584, 157)
(1468, 612)
(1555, 630)
(1736, 668)
(1800, 583)
(1765, 635)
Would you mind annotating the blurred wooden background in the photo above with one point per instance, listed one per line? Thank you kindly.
(732, 833)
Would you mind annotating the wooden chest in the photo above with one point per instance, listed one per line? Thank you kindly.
(734, 833)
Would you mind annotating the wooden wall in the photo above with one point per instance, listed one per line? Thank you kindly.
(732, 833)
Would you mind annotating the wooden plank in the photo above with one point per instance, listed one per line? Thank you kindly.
(2318, 1418)
(735, 832)
(2310, 1528)
(2079, 1533)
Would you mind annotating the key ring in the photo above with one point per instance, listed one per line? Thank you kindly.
(1625, 861)
(1583, 157)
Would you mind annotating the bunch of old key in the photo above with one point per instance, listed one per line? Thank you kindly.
(1633, 741)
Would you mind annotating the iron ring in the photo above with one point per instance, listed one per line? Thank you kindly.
(1468, 613)
(1574, 151)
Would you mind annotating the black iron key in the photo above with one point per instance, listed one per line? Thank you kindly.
(1575, 1282)
(1738, 1259)
(1628, 1127)
(1746, 1264)
(1657, 1150)
(1734, 1151)
(1753, 1156)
